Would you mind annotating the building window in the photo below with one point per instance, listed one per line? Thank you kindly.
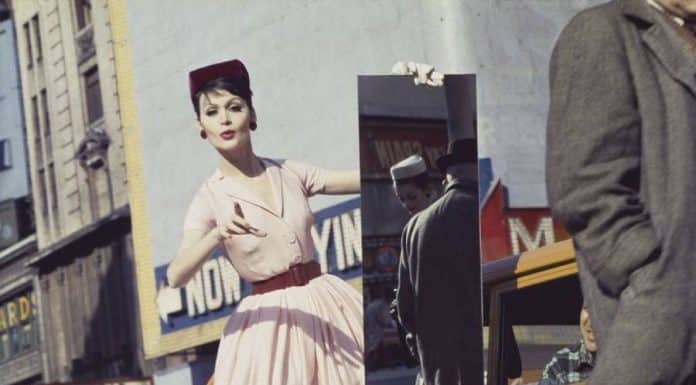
(93, 95)
(42, 193)
(37, 129)
(27, 37)
(44, 106)
(5, 155)
(35, 116)
(54, 189)
(37, 35)
(83, 13)
(45, 121)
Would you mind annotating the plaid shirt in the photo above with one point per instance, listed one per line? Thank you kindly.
(568, 365)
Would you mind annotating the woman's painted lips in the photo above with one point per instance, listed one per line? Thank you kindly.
(227, 135)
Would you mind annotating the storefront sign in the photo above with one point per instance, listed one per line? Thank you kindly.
(386, 143)
(508, 231)
(18, 325)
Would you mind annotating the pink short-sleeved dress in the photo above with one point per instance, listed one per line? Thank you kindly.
(305, 335)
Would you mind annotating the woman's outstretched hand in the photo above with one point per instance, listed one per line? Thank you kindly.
(238, 225)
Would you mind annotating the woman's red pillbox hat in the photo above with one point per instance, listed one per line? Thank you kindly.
(227, 69)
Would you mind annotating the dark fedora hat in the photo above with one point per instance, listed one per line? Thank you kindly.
(228, 69)
(459, 151)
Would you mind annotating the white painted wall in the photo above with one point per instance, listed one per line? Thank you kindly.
(304, 57)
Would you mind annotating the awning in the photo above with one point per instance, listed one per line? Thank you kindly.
(19, 248)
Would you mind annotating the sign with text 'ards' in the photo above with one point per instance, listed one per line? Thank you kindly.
(216, 290)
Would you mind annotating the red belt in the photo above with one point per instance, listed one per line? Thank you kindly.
(297, 275)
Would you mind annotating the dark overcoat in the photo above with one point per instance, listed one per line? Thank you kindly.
(439, 293)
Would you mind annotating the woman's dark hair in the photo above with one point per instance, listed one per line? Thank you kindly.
(421, 181)
(232, 85)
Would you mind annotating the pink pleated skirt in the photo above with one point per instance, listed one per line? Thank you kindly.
(307, 335)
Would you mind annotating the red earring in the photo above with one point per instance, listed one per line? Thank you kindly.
(252, 126)
(203, 134)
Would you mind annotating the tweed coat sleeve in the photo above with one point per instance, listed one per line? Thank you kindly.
(594, 151)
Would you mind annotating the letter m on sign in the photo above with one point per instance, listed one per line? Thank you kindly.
(518, 232)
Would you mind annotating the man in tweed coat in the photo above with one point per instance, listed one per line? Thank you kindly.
(621, 176)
